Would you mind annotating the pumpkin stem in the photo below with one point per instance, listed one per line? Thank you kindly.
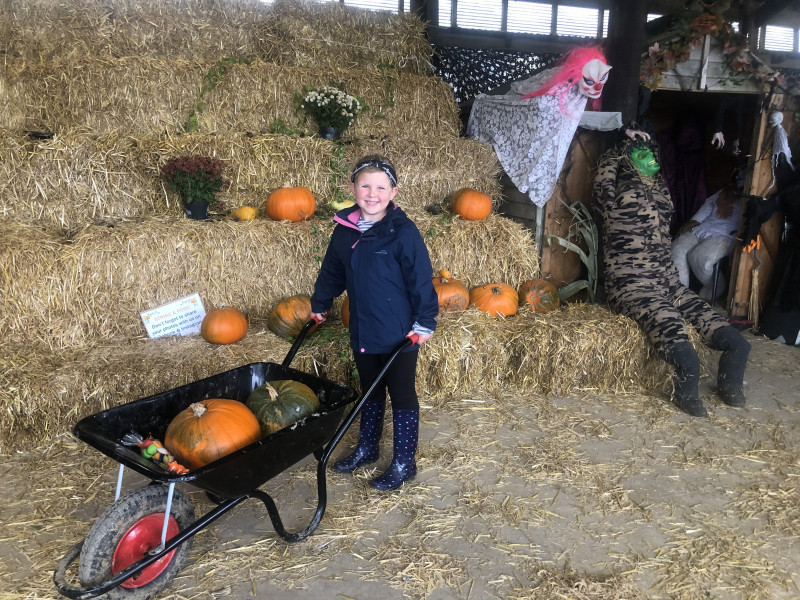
(198, 408)
(496, 289)
(273, 393)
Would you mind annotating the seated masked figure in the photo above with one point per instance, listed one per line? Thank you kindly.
(641, 280)
(532, 126)
(707, 238)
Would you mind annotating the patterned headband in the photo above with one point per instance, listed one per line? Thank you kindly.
(378, 164)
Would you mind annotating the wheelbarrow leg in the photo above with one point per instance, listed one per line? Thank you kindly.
(323, 455)
(322, 503)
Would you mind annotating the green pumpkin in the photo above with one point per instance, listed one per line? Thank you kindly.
(278, 404)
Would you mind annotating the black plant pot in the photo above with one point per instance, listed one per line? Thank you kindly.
(329, 133)
(197, 210)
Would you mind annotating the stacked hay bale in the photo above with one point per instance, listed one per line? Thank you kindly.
(90, 236)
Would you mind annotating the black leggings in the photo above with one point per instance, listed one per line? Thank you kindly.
(400, 379)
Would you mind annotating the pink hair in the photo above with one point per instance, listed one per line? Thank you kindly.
(570, 70)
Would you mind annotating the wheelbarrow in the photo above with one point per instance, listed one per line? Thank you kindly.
(138, 545)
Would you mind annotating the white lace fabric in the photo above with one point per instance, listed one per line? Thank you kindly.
(530, 136)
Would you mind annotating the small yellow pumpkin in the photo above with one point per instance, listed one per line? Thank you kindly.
(244, 213)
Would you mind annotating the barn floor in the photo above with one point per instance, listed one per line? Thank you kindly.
(582, 497)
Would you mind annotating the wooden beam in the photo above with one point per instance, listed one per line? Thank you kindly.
(487, 40)
(770, 9)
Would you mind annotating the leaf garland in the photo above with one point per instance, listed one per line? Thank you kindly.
(736, 49)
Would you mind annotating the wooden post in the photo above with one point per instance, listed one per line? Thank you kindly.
(560, 266)
(759, 183)
(623, 50)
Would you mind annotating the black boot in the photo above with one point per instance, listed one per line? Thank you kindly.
(403, 467)
(686, 381)
(369, 437)
(730, 377)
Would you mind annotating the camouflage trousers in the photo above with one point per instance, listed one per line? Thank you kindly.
(662, 309)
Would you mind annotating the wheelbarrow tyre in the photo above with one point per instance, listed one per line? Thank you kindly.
(121, 527)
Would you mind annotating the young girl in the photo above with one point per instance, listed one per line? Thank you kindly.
(377, 254)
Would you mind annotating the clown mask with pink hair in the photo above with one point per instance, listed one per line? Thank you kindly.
(585, 67)
(532, 126)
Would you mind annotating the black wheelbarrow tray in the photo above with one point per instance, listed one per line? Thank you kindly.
(139, 544)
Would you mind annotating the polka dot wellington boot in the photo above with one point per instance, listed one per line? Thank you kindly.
(403, 466)
(369, 437)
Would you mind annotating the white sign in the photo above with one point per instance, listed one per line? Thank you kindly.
(182, 317)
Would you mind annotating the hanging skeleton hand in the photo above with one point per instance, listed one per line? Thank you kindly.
(637, 134)
(718, 140)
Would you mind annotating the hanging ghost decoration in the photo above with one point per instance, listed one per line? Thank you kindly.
(781, 143)
(532, 126)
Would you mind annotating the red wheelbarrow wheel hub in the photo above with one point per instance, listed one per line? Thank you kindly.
(142, 537)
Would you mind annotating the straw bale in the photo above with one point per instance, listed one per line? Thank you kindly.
(142, 95)
(106, 276)
(256, 165)
(74, 179)
(79, 177)
(27, 256)
(250, 97)
(572, 350)
(330, 35)
(136, 265)
(103, 94)
(578, 348)
(61, 388)
(43, 394)
(42, 30)
(479, 252)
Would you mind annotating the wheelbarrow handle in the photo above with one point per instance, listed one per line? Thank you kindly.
(312, 322)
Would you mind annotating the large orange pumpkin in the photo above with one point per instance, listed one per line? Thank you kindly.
(210, 429)
(290, 204)
(495, 299)
(224, 325)
(346, 311)
(471, 204)
(539, 295)
(453, 295)
(289, 316)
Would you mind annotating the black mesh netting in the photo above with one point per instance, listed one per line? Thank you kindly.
(471, 72)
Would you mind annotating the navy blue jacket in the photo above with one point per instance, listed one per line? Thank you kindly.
(387, 274)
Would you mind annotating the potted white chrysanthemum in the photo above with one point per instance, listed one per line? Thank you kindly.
(331, 108)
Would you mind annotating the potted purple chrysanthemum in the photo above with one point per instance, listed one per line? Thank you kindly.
(197, 179)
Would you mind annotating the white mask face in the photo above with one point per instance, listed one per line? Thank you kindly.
(595, 75)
